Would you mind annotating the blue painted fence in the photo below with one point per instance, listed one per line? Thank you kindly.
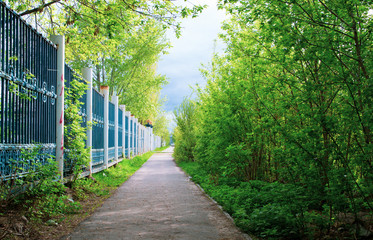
(27, 93)
(28, 83)
(97, 129)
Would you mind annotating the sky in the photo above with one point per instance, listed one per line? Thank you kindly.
(194, 47)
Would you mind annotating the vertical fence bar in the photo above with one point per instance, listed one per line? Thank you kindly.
(87, 75)
(60, 42)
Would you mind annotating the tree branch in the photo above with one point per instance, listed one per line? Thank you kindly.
(38, 9)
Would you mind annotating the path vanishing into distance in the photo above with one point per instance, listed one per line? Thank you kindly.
(158, 202)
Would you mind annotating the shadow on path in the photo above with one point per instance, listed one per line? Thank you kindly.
(158, 202)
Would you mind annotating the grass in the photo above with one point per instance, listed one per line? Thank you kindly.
(116, 176)
(105, 181)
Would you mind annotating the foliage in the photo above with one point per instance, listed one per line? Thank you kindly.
(184, 133)
(122, 40)
(290, 104)
(77, 156)
(39, 192)
(50, 206)
(268, 210)
(160, 127)
(32, 171)
(131, 71)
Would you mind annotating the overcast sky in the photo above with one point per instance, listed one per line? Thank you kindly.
(194, 47)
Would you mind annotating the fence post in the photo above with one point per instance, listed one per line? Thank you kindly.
(115, 101)
(60, 43)
(123, 108)
(87, 75)
(105, 91)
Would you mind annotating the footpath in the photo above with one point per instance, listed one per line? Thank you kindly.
(158, 202)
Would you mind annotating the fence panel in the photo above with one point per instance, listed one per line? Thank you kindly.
(27, 93)
(70, 76)
(97, 128)
(126, 144)
(135, 136)
(111, 131)
(120, 132)
(131, 135)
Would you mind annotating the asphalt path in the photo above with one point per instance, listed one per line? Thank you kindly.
(158, 202)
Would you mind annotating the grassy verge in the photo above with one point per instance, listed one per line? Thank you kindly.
(54, 210)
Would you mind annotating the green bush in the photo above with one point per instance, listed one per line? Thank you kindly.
(269, 210)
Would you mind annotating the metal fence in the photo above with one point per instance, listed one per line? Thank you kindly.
(27, 93)
(28, 85)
